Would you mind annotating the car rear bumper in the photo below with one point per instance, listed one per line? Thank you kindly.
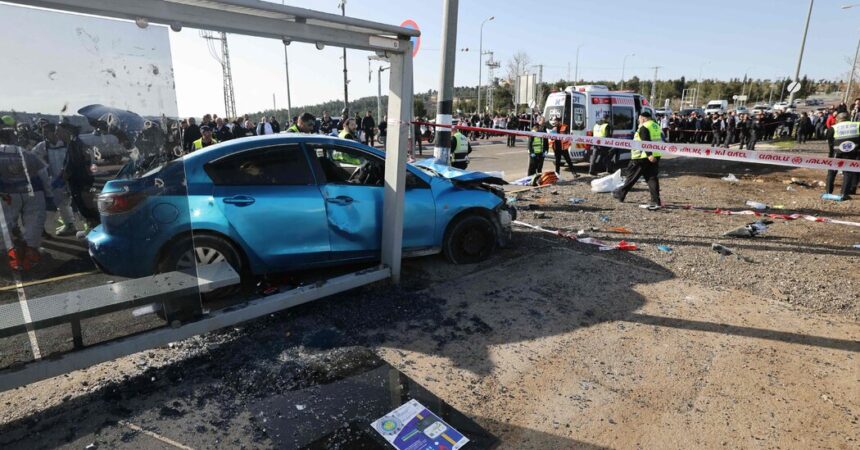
(120, 256)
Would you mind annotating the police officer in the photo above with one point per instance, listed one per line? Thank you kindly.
(348, 131)
(460, 150)
(304, 124)
(846, 145)
(205, 141)
(22, 196)
(644, 163)
(601, 158)
(537, 151)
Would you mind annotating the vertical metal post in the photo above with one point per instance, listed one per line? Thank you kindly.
(654, 87)
(576, 71)
(802, 45)
(396, 145)
(445, 101)
(345, 78)
(481, 58)
(379, 96)
(851, 77)
(287, 68)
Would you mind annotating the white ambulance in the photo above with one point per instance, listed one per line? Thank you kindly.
(581, 106)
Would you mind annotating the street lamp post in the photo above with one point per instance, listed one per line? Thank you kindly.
(576, 71)
(623, 66)
(800, 58)
(854, 64)
(342, 6)
(379, 93)
(481, 58)
(699, 84)
(287, 65)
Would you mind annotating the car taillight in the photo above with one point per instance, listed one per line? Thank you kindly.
(119, 202)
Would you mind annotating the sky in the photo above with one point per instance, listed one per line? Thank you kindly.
(719, 40)
(76, 60)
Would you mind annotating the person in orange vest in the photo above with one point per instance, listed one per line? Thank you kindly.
(560, 148)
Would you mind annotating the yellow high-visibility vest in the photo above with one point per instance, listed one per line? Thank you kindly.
(654, 132)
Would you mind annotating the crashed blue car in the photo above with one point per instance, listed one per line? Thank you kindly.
(282, 203)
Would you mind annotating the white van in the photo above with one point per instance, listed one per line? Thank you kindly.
(581, 106)
(717, 107)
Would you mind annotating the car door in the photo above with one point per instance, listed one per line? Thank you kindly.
(271, 200)
(353, 195)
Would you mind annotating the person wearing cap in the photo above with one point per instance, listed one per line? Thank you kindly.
(601, 160)
(460, 150)
(537, 150)
(844, 143)
(54, 151)
(644, 163)
(559, 147)
(205, 141)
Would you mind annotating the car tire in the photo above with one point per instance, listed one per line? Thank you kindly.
(207, 249)
(469, 240)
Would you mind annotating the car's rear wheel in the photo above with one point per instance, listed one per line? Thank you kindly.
(471, 239)
(203, 249)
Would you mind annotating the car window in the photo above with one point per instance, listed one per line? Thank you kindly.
(622, 118)
(348, 165)
(280, 165)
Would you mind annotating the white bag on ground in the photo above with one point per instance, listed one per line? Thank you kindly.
(608, 183)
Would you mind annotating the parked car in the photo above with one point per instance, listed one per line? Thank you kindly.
(716, 107)
(282, 202)
(741, 110)
(761, 108)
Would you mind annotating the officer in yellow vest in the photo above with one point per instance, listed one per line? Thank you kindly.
(644, 163)
(304, 124)
(601, 156)
(845, 136)
(537, 150)
(460, 149)
(348, 131)
(204, 141)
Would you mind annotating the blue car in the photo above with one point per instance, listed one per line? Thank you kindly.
(288, 202)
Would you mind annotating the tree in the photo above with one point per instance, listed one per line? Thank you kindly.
(418, 108)
(517, 65)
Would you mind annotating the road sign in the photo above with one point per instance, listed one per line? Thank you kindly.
(734, 97)
(793, 87)
(416, 41)
(741, 98)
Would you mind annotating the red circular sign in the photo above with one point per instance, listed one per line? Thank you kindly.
(416, 41)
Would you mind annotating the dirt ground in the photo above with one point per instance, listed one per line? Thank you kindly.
(550, 344)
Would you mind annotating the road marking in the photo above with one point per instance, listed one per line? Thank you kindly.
(48, 280)
(152, 434)
(19, 288)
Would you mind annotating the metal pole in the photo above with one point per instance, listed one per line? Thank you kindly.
(576, 72)
(379, 93)
(802, 45)
(851, 77)
(345, 78)
(445, 103)
(782, 89)
(623, 66)
(654, 87)
(287, 67)
(481, 59)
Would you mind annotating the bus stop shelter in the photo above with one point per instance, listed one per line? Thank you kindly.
(265, 20)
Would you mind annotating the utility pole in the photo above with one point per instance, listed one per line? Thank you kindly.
(540, 87)
(576, 73)
(287, 68)
(623, 66)
(445, 100)
(342, 6)
(275, 104)
(851, 77)
(654, 86)
(802, 45)
(226, 73)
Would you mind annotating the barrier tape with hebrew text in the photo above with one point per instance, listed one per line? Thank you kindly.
(689, 150)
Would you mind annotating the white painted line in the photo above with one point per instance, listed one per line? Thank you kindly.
(154, 435)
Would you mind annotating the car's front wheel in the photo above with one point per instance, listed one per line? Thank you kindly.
(471, 239)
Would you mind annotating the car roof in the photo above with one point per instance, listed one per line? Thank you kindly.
(244, 143)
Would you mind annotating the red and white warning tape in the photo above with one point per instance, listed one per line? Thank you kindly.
(690, 150)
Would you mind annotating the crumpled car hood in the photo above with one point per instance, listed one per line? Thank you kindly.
(459, 175)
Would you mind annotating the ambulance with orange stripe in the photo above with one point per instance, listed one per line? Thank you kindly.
(580, 107)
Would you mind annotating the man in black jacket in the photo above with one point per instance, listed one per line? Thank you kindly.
(368, 125)
(222, 131)
(192, 133)
(513, 125)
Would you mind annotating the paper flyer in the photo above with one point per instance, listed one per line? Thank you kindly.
(414, 427)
